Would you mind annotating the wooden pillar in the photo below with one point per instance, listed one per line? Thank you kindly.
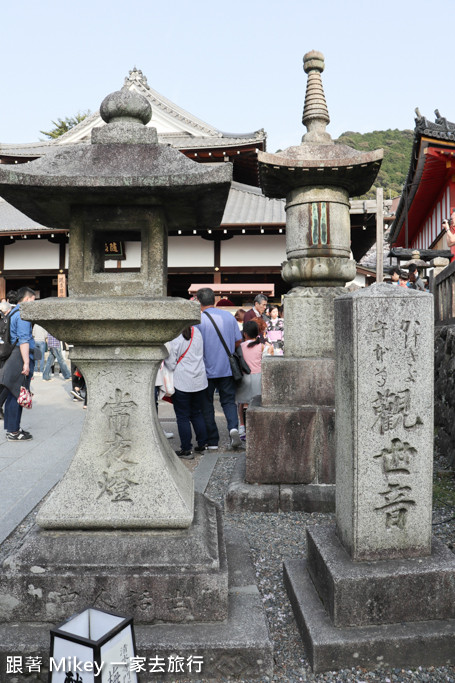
(217, 265)
(2, 288)
(61, 255)
(379, 234)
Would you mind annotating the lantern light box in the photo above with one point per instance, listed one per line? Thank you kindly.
(93, 647)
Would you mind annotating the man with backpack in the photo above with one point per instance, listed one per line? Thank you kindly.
(5, 310)
(18, 367)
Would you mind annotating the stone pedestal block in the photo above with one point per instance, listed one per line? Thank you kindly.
(368, 593)
(290, 444)
(238, 645)
(276, 497)
(402, 644)
(298, 381)
(310, 322)
(174, 576)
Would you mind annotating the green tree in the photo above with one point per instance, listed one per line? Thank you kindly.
(397, 145)
(64, 125)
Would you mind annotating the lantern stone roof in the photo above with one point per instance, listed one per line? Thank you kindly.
(317, 160)
(124, 163)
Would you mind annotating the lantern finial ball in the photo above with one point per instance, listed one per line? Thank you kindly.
(124, 105)
(313, 61)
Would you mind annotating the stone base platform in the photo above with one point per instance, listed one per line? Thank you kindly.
(242, 496)
(392, 613)
(382, 591)
(238, 646)
(172, 575)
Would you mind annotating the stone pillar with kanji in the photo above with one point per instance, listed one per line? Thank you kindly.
(377, 584)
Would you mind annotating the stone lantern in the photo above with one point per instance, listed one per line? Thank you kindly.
(295, 418)
(123, 531)
(124, 185)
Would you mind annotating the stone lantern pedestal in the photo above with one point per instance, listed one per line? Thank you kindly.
(123, 530)
(290, 449)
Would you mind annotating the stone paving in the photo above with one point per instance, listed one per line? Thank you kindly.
(29, 469)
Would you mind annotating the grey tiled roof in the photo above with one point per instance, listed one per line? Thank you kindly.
(189, 141)
(247, 205)
(27, 149)
(38, 149)
(12, 220)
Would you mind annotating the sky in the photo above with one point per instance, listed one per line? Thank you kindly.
(236, 65)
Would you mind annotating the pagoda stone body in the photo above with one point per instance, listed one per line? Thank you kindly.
(123, 531)
(290, 446)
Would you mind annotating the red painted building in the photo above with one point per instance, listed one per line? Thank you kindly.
(429, 192)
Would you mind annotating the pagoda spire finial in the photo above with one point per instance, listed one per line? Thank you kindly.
(315, 113)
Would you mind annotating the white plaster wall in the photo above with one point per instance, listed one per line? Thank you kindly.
(254, 250)
(189, 252)
(31, 255)
(133, 256)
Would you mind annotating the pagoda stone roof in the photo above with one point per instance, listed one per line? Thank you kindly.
(315, 164)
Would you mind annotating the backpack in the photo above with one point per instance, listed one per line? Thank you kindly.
(6, 347)
(3, 326)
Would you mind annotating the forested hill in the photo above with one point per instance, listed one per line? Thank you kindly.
(397, 146)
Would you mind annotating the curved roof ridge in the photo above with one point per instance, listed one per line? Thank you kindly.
(190, 125)
(136, 79)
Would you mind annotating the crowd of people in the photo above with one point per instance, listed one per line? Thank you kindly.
(201, 361)
(410, 278)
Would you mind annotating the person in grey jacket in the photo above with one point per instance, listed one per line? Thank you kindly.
(190, 382)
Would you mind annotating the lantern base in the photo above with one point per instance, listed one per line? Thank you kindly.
(238, 646)
(174, 575)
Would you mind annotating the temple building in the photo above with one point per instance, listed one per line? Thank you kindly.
(240, 258)
(429, 191)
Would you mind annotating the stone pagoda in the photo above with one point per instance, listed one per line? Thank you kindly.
(290, 450)
(123, 530)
